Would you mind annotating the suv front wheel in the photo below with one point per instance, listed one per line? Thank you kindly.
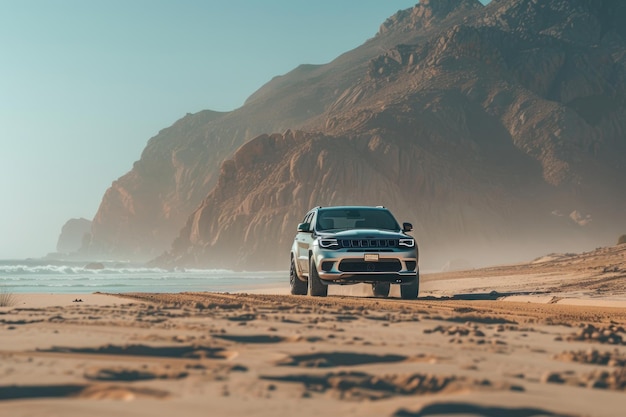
(410, 291)
(316, 288)
(381, 289)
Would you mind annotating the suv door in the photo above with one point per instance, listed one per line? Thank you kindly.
(304, 239)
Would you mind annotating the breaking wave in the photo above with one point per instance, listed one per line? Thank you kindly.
(68, 277)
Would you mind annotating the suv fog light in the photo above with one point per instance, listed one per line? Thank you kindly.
(327, 266)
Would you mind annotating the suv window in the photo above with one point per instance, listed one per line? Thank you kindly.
(309, 219)
(355, 218)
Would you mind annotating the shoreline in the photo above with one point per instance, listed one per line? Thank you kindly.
(42, 300)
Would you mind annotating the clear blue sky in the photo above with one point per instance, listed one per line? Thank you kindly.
(85, 83)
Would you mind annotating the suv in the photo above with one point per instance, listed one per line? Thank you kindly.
(353, 244)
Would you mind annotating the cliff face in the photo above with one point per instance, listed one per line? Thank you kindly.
(142, 212)
(73, 235)
(248, 220)
(498, 127)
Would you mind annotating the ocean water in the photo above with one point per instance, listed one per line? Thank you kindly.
(63, 277)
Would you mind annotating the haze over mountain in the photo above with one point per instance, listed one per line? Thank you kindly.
(73, 235)
(499, 131)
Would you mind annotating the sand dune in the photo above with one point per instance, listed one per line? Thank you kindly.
(546, 338)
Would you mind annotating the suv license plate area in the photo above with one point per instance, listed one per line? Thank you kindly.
(371, 257)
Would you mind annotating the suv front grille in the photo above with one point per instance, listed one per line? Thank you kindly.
(359, 265)
(368, 243)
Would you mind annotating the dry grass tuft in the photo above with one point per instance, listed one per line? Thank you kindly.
(7, 299)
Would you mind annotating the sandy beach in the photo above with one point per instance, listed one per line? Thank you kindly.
(545, 338)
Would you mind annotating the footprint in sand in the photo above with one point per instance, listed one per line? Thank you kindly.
(98, 392)
(332, 359)
(132, 374)
(189, 351)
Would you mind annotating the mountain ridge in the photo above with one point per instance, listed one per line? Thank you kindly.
(480, 128)
(141, 213)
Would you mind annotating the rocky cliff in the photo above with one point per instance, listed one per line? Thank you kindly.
(142, 212)
(497, 128)
(74, 233)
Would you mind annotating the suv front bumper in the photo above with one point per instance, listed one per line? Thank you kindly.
(343, 266)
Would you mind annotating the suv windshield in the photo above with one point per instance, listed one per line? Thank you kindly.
(355, 218)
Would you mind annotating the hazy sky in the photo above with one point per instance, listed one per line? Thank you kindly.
(85, 83)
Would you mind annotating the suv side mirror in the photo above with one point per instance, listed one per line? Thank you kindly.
(304, 227)
(407, 227)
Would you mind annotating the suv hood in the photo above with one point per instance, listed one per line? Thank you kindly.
(365, 234)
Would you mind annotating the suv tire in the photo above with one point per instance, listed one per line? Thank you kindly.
(298, 287)
(316, 288)
(381, 289)
(410, 291)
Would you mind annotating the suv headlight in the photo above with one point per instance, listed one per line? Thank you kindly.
(409, 243)
(328, 243)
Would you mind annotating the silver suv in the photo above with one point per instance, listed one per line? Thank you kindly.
(353, 244)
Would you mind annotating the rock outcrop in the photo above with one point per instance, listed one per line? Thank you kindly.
(74, 234)
(478, 124)
(427, 14)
